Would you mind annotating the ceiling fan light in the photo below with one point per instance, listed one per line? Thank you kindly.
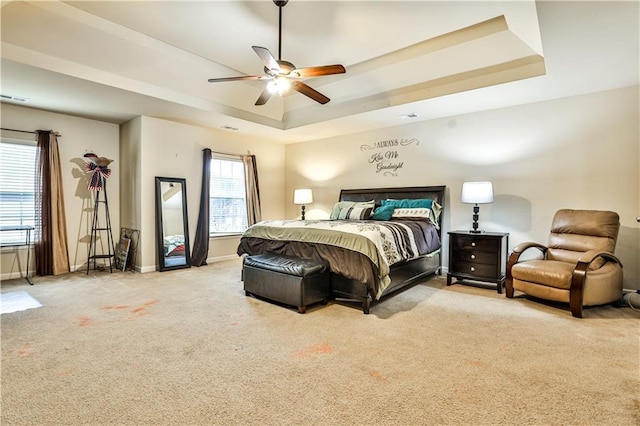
(279, 86)
(283, 85)
(272, 86)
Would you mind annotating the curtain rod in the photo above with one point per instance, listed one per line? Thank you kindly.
(26, 131)
(228, 154)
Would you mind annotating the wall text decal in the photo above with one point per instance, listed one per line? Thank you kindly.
(387, 161)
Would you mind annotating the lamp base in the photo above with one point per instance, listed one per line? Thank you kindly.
(476, 216)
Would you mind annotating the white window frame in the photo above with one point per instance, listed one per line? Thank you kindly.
(216, 191)
(19, 185)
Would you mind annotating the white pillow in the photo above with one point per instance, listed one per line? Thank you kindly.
(432, 214)
(412, 212)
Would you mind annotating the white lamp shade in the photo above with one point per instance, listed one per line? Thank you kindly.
(477, 192)
(302, 196)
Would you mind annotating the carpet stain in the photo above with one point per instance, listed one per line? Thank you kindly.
(378, 377)
(133, 312)
(84, 320)
(65, 373)
(142, 310)
(474, 362)
(235, 317)
(317, 349)
(26, 351)
(110, 308)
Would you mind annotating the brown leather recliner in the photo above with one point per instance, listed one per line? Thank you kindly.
(578, 265)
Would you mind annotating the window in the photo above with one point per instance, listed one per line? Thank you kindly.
(17, 188)
(227, 202)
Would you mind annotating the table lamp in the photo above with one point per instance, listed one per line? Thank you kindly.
(302, 196)
(476, 193)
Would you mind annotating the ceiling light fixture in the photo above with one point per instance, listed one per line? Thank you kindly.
(279, 72)
(279, 85)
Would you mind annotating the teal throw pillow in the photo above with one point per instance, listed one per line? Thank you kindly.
(383, 213)
(424, 203)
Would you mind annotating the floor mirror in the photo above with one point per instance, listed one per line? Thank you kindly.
(172, 224)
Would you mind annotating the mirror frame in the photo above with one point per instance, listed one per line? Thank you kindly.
(162, 266)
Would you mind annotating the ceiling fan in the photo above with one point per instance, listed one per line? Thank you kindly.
(283, 75)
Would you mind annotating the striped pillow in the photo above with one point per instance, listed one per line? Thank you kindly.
(355, 213)
(335, 212)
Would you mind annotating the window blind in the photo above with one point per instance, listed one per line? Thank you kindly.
(17, 185)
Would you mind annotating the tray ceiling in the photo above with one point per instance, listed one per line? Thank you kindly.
(115, 60)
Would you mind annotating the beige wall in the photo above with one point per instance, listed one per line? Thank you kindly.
(130, 196)
(580, 152)
(79, 136)
(170, 149)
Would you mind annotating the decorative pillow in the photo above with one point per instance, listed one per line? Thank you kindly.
(355, 213)
(436, 209)
(433, 213)
(409, 203)
(420, 212)
(335, 212)
(383, 213)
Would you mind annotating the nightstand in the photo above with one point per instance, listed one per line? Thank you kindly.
(478, 257)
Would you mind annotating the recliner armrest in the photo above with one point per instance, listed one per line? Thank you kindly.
(514, 257)
(579, 277)
(527, 245)
(592, 255)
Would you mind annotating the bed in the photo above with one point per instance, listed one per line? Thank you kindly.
(365, 267)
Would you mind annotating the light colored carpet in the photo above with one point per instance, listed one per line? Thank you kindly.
(187, 347)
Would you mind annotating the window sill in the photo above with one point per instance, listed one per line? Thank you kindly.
(225, 236)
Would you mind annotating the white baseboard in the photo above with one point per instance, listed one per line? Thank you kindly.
(13, 275)
(222, 258)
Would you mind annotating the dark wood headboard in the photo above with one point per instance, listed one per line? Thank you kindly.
(411, 192)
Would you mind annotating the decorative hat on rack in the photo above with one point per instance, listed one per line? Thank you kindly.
(98, 169)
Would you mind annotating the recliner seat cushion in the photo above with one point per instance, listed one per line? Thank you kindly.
(551, 273)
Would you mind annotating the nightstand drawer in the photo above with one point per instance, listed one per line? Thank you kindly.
(474, 243)
(475, 256)
(479, 270)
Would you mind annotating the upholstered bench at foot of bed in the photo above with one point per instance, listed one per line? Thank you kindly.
(286, 279)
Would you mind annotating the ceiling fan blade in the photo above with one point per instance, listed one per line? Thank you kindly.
(242, 77)
(264, 97)
(306, 90)
(317, 71)
(267, 58)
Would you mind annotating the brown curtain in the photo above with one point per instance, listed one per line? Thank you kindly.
(254, 214)
(200, 250)
(51, 251)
